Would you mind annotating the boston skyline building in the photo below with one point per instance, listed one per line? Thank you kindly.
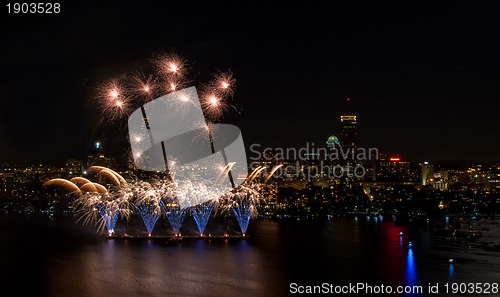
(348, 132)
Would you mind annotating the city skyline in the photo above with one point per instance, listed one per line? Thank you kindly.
(422, 85)
(345, 144)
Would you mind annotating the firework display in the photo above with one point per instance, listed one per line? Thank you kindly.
(176, 192)
(156, 198)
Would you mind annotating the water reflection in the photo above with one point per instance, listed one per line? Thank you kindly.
(342, 250)
(411, 272)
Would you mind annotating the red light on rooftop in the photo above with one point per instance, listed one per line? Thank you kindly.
(394, 159)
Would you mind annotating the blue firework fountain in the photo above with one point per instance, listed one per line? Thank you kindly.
(242, 201)
(148, 202)
(109, 215)
(150, 212)
(201, 214)
(243, 211)
(175, 215)
(102, 209)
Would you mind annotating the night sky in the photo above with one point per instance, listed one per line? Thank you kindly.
(423, 78)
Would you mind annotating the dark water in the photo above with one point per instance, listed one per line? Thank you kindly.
(57, 257)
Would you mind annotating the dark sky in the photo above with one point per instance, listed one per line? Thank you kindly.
(423, 78)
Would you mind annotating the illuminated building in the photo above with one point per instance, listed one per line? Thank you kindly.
(270, 195)
(98, 159)
(440, 181)
(391, 169)
(427, 173)
(348, 132)
(74, 167)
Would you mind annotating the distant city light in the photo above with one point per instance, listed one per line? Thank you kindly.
(395, 159)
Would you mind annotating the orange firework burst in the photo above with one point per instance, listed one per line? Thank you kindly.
(143, 87)
(113, 99)
(213, 106)
(216, 94)
(138, 137)
(117, 98)
(224, 83)
(173, 84)
(171, 65)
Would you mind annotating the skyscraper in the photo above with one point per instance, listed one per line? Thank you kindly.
(348, 132)
(427, 173)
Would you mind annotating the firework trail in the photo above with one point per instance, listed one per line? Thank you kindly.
(255, 173)
(272, 172)
(98, 169)
(80, 181)
(250, 176)
(224, 173)
(65, 185)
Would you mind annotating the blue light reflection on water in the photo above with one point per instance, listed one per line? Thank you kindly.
(411, 271)
(275, 254)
